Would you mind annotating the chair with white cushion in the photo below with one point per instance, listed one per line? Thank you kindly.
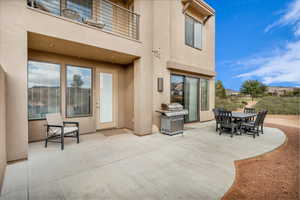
(57, 129)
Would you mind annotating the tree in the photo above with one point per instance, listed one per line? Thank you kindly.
(253, 87)
(220, 90)
(77, 81)
(296, 92)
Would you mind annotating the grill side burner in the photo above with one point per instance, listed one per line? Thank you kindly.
(172, 119)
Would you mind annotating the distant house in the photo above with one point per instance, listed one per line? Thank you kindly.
(230, 92)
(279, 91)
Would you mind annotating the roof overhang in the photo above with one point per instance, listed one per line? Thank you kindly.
(173, 65)
(199, 6)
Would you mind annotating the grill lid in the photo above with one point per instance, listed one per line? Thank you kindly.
(172, 107)
(175, 113)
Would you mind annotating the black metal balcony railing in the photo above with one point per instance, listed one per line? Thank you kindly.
(101, 14)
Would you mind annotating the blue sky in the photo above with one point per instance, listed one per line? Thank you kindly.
(257, 39)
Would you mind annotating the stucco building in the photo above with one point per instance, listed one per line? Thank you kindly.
(98, 62)
(279, 91)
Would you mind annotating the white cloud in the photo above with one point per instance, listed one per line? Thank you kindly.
(291, 16)
(284, 65)
(280, 68)
(43, 74)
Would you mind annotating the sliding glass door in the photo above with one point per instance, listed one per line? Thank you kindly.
(191, 98)
(177, 90)
(185, 90)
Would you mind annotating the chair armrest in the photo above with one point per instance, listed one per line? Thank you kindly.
(75, 123)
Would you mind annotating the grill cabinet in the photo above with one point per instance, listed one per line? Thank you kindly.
(172, 119)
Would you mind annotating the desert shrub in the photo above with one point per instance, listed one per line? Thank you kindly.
(245, 103)
(232, 103)
(280, 105)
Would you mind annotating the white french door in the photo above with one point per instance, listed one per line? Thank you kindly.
(106, 100)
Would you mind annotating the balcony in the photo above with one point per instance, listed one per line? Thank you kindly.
(104, 15)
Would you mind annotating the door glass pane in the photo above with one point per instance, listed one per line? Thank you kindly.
(198, 35)
(106, 97)
(191, 90)
(189, 31)
(177, 93)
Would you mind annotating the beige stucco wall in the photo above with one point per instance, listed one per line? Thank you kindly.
(36, 129)
(13, 58)
(161, 40)
(2, 127)
(184, 54)
(74, 31)
(169, 46)
(16, 19)
(128, 89)
(143, 70)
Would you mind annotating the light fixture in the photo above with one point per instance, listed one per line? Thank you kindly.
(160, 84)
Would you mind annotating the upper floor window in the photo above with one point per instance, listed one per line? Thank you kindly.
(83, 8)
(52, 6)
(79, 91)
(193, 32)
(43, 89)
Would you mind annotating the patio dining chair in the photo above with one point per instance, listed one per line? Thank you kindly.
(226, 123)
(250, 111)
(252, 127)
(261, 123)
(216, 113)
(57, 129)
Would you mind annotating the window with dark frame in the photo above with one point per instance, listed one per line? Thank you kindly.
(193, 32)
(79, 91)
(44, 92)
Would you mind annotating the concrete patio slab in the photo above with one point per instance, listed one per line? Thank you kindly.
(198, 165)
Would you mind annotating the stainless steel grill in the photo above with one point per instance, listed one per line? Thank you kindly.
(102, 14)
(172, 119)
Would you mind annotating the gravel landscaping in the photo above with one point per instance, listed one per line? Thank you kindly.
(273, 175)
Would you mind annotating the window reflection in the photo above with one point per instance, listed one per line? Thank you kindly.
(204, 94)
(82, 7)
(177, 89)
(43, 89)
(79, 84)
(52, 6)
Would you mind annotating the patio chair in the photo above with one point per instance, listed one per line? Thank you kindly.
(226, 122)
(265, 112)
(57, 129)
(216, 113)
(250, 111)
(252, 127)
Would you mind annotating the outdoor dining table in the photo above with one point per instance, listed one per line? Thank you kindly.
(240, 117)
